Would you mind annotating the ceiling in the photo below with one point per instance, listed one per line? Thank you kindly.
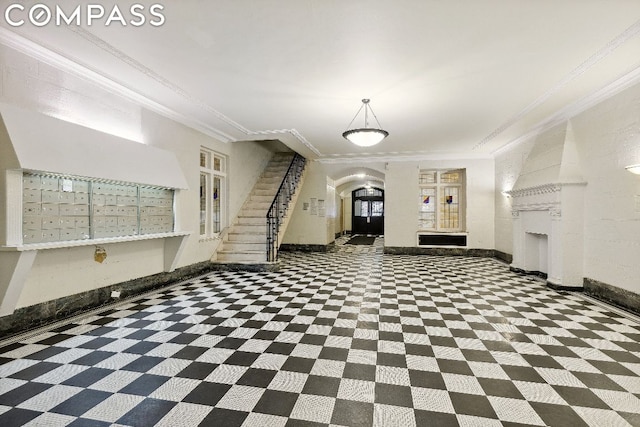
(446, 78)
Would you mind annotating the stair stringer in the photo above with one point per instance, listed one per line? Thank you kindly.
(290, 208)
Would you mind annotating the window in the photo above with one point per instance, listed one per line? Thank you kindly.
(212, 193)
(441, 200)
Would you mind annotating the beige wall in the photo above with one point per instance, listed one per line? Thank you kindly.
(402, 201)
(34, 86)
(305, 228)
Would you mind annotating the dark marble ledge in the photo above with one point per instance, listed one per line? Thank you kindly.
(618, 297)
(292, 247)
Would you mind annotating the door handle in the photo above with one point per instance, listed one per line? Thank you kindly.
(368, 220)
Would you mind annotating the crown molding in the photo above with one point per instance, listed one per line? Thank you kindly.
(151, 74)
(403, 157)
(572, 110)
(602, 53)
(63, 63)
(293, 132)
(59, 61)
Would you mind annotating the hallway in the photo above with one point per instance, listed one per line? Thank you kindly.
(352, 337)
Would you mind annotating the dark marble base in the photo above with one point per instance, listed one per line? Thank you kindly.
(257, 267)
(558, 287)
(399, 250)
(539, 274)
(619, 297)
(503, 256)
(291, 247)
(26, 318)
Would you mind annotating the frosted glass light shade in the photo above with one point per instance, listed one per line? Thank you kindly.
(634, 169)
(365, 137)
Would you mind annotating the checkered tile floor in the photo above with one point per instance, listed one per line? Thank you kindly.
(348, 338)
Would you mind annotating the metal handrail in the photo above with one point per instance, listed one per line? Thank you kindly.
(280, 203)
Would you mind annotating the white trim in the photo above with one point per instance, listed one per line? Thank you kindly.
(572, 110)
(404, 157)
(612, 45)
(210, 174)
(90, 242)
(60, 61)
(57, 60)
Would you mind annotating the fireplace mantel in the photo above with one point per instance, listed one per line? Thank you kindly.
(554, 210)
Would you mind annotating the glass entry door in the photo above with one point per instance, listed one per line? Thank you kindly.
(368, 211)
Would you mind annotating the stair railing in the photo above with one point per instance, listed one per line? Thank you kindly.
(278, 208)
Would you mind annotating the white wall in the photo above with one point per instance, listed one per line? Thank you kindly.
(305, 228)
(339, 221)
(35, 86)
(347, 212)
(402, 201)
(607, 138)
(508, 167)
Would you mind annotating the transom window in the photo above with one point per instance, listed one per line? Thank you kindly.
(213, 195)
(441, 200)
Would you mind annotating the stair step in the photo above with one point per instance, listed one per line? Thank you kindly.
(249, 228)
(260, 198)
(254, 213)
(244, 246)
(251, 220)
(273, 180)
(264, 192)
(267, 185)
(254, 205)
(248, 237)
(245, 256)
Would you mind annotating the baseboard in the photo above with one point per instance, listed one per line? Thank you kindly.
(26, 318)
(503, 256)
(402, 250)
(244, 266)
(292, 247)
(612, 295)
(539, 274)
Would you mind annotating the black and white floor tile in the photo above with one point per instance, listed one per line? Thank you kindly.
(348, 338)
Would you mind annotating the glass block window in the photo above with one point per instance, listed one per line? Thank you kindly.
(369, 192)
(213, 195)
(441, 200)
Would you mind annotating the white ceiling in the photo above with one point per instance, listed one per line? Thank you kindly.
(445, 78)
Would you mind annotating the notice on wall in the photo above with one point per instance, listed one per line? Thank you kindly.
(305, 206)
(313, 209)
(67, 185)
(322, 210)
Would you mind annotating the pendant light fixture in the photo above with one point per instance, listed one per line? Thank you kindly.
(365, 136)
(634, 169)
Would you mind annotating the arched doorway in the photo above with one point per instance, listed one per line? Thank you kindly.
(368, 211)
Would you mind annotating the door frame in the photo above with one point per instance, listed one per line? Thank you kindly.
(377, 226)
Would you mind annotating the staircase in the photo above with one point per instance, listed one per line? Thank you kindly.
(246, 240)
